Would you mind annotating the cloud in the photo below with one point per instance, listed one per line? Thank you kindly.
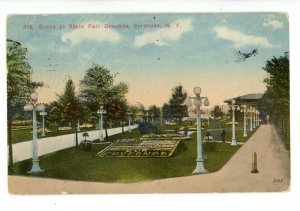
(275, 24)
(163, 36)
(98, 34)
(240, 39)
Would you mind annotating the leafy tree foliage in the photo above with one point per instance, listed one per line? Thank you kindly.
(97, 89)
(19, 85)
(155, 111)
(176, 107)
(217, 111)
(277, 96)
(69, 103)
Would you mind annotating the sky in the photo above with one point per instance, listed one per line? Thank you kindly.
(187, 49)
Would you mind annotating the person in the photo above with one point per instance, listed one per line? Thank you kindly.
(223, 134)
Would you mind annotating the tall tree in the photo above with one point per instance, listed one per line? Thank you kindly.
(19, 85)
(97, 89)
(55, 113)
(217, 111)
(154, 110)
(178, 109)
(69, 103)
(277, 96)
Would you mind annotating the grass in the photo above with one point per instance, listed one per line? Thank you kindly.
(26, 134)
(75, 164)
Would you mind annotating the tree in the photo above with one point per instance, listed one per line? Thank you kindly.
(97, 89)
(55, 114)
(69, 103)
(154, 110)
(178, 109)
(277, 96)
(217, 111)
(19, 85)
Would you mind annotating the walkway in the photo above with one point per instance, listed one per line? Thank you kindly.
(235, 176)
(23, 150)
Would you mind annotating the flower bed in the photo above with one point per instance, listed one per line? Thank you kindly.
(164, 136)
(140, 148)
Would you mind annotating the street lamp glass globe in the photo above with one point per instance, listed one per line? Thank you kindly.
(206, 102)
(189, 103)
(238, 108)
(34, 96)
(40, 107)
(197, 103)
(233, 102)
(197, 90)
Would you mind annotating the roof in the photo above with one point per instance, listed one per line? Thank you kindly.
(247, 97)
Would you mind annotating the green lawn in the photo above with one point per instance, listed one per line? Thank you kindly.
(74, 164)
(26, 134)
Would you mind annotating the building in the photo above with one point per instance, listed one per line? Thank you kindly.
(248, 100)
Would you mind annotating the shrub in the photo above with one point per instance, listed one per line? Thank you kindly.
(209, 146)
(147, 128)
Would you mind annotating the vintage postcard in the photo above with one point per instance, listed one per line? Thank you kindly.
(148, 103)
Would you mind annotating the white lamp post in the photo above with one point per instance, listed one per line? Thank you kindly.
(233, 107)
(197, 102)
(244, 110)
(254, 117)
(250, 112)
(161, 116)
(129, 119)
(78, 126)
(152, 115)
(267, 117)
(100, 113)
(147, 115)
(33, 106)
(257, 118)
(208, 114)
(43, 113)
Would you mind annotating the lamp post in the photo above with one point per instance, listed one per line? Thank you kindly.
(254, 117)
(257, 118)
(147, 115)
(267, 117)
(129, 119)
(244, 110)
(208, 114)
(161, 116)
(100, 113)
(152, 115)
(250, 112)
(43, 113)
(34, 107)
(78, 126)
(197, 102)
(233, 107)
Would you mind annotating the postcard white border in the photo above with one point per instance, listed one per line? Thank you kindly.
(243, 201)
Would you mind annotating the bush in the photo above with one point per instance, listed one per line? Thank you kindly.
(209, 146)
(147, 128)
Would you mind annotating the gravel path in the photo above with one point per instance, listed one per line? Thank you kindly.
(235, 176)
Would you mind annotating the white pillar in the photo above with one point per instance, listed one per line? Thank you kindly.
(43, 130)
(78, 126)
(250, 112)
(101, 128)
(245, 121)
(200, 166)
(254, 118)
(233, 141)
(35, 159)
(129, 126)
